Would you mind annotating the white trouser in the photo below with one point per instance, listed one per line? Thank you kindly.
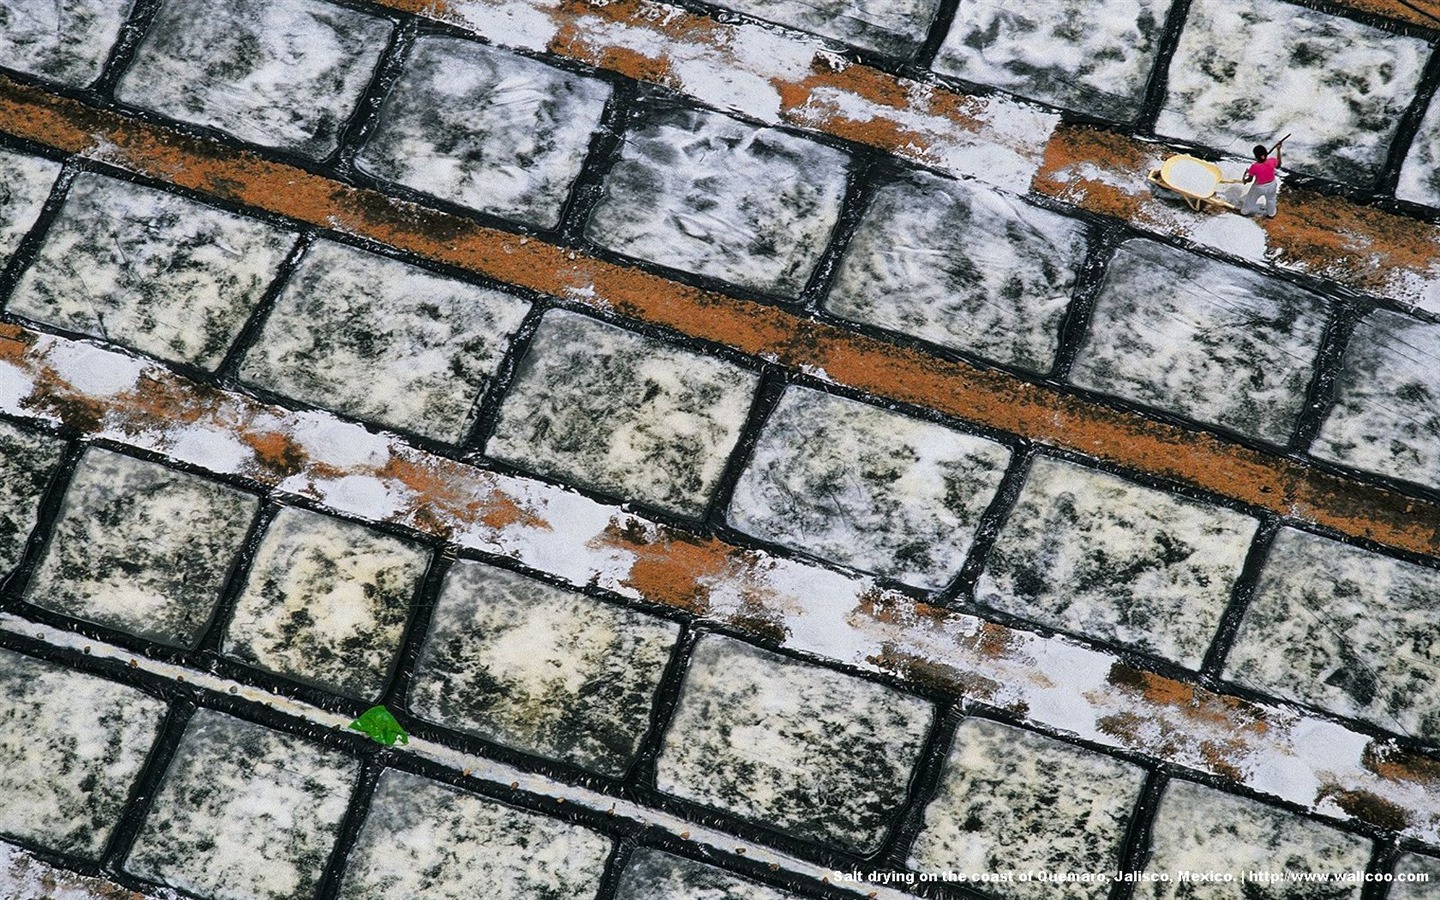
(1251, 204)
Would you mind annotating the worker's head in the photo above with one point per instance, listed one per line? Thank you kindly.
(1261, 152)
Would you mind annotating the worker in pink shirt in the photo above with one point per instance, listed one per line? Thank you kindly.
(1261, 178)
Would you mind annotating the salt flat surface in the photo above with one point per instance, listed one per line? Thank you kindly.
(26, 461)
(424, 839)
(1199, 829)
(243, 812)
(1091, 553)
(543, 670)
(1093, 56)
(818, 754)
(142, 548)
(867, 487)
(1420, 173)
(961, 266)
(709, 194)
(285, 74)
(1210, 341)
(27, 181)
(1011, 800)
(1415, 863)
(71, 748)
(623, 413)
(66, 42)
(375, 338)
(1386, 417)
(150, 270)
(652, 875)
(326, 602)
(486, 129)
(892, 27)
(1345, 629)
(1251, 71)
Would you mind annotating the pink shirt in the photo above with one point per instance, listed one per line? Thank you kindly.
(1264, 171)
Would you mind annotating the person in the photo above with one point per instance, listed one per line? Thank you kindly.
(1261, 178)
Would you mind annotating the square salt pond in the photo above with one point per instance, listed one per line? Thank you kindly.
(1420, 173)
(27, 459)
(26, 181)
(487, 129)
(142, 548)
(1199, 829)
(1415, 864)
(66, 42)
(705, 193)
(866, 487)
(243, 813)
(1092, 56)
(652, 875)
(1386, 414)
(804, 750)
(1251, 71)
(1350, 631)
(280, 73)
(540, 669)
(423, 839)
(1207, 340)
(1010, 800)
(622, 413)
(1093, 554)
(72, 747)
(151, 270)
(375, 338)
(326, 602)
(892, 27)
(964, 267)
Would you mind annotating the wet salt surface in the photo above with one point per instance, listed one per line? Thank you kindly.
(25, 182)
(141, 548)
(1386, 417)
(325, 602)
(652, 875)
(708, 194)
(963, 267)
(820, 755)
(66, 42)
(279, 73)
(540, 669)
(892, 27)
(1090, 553)
(149, 270)
(1210, 341)
(1199, 829)
(1348, 630)
(422, 839)
(866, 487)
(487, 129)
(1416, 863)
(1251, 71)
(1420, 173)
(378, 339)
(1093, 56)
(1011, 800)
(26, 460)
(623, 413)
(71, 748)
(243, 813)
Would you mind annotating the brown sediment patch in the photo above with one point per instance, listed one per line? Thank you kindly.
(1192, 701)
(277, 455)
(1082, 164)
(937, 675)
(447, 494)
(1367, 806)
(675, 568)
(970, 393)
(1394, 764)
(1425, 13)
